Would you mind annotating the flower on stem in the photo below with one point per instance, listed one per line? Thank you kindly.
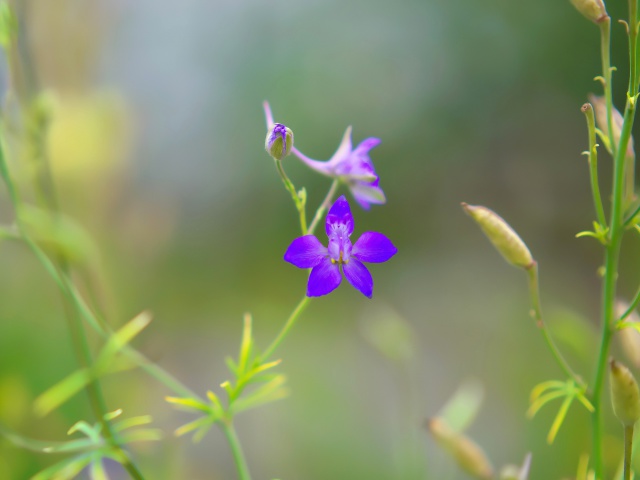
(325, 262)
(594, 10)
(350, 165)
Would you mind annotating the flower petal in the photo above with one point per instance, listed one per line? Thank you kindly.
(344, 149)
(325, 278)
(322, 167)
(305, 252)
(373, 247)
(267, 114)
(358, 276)
(339, 215)
(367, 193)
(364, 146)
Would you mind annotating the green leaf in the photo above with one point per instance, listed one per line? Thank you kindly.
(269, 392)
(188, 404)
(67, 469)
(61, 392)
(246, 345)
(557, 422)
(462, 408)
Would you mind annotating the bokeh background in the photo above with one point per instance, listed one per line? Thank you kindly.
(156, 145)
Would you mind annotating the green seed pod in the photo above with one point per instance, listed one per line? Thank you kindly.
(279, 141)
(503, 237)
(625, 395)
(468, 454)
(592, 9)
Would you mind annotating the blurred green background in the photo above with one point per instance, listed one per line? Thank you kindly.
(156, 146)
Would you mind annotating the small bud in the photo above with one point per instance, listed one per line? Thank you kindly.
(468, 454)
(629, 337)
(625, 395)
(279, 141)
(600, 109)
(503, 237)
(592, 9)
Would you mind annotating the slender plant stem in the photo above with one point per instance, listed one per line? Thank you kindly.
(628, 448)
(605, 53)
(287, 326)
(236, 450)
(587, 109)
(631, 217)
(632, 306)
(79, 339)
(629, 160)
(324, 206)
(612, 254)
(534, 290)
(300, 203)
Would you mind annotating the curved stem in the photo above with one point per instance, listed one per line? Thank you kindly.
(285, 330)
(300, 203)
(534, 290)
(236, 450)
(324, 206)
(587, 109)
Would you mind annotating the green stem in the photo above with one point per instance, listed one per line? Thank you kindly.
(629, 160)
(236, 449)
(534, 290)
(605, 53)
(632, 306)
(78, 336)
(628, 448)
(630, 218)
(587, 109)
(612, 254)
(300, 204)
(287, 326)
(324, 206)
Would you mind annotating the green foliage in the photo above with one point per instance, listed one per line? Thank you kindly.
(91, 449)
(249, 369)
(108, 361)
(544, 392)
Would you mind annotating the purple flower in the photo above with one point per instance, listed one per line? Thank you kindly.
(352, 166)
(325, 262)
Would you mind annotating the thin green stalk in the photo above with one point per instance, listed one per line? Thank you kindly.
(300, 204)
(605, 53)
(324, 206)
(628, 448)
(534, 290)
(287, 326)
(629, 193)
(587, 109)
(79, 339)
(612, 254)
(236, 450)
(632, 306)
(630, 218)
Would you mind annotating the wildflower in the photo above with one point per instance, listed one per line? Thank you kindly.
(352, 166)
(325, 262)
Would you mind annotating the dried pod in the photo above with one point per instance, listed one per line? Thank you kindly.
(625, 395)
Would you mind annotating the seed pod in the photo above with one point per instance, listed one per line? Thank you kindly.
(279, 141)
(503, 237)
(625, 395)
(592, 9)
(629, 337)
(468, 454)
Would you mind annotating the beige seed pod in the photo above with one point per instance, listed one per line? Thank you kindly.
(629, 337)
(503, 237)
(625, 395)
(594, 10)
(467, 454)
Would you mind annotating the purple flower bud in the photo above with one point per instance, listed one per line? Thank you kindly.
(279, 141)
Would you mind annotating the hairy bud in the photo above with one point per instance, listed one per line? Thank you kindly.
(625, 395)
(468, 454)
(279, 141)
(592, 9)
(503, 237)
